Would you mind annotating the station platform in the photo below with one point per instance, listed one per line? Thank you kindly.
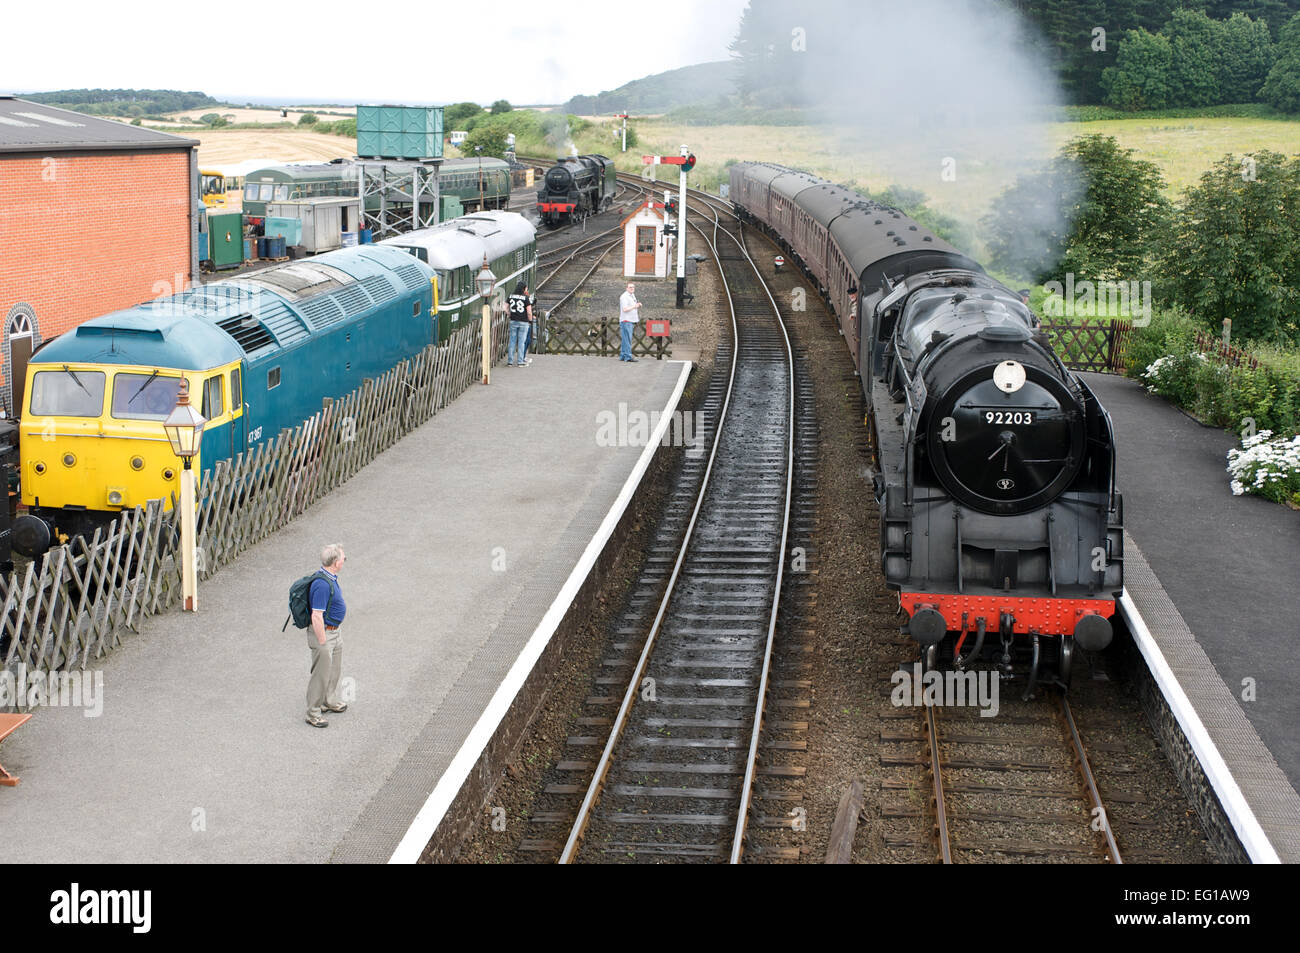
(459, 540)
(1217, 579)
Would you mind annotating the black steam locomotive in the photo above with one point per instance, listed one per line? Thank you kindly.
(1000, 524)
(576, 186)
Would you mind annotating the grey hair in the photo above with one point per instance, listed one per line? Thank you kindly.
(331, 554)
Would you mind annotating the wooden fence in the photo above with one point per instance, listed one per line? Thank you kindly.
(1213, 346)
(1092, 346)
(75, 603)
(596, 337)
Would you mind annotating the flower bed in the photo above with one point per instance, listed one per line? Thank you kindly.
(1268, 466)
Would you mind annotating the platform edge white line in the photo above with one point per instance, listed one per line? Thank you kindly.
(444, 792)
(1242, 817)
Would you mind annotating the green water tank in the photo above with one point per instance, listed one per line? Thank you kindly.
(399, 132)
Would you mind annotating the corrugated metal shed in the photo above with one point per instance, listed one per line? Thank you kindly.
(33, 127)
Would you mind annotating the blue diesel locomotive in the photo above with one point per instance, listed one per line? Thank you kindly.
(260, 353)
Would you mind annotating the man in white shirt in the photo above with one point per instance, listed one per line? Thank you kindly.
(629, 314)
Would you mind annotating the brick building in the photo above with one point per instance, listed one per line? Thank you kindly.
(95, 215)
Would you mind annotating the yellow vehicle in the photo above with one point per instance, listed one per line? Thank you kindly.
(91, 438)
(212, 187)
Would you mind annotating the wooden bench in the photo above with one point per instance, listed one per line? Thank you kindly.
(8, 725)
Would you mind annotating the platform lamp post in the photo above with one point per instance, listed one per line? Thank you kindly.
(184, 427)
(486, 281)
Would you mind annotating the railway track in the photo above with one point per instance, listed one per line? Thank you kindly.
(676, 767)
(1017, 786)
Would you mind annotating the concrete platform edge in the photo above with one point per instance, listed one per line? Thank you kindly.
(1250, 834)
(443, 821)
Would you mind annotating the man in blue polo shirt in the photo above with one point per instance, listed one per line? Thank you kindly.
(327, 612)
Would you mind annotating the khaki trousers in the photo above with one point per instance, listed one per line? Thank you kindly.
(326, 666)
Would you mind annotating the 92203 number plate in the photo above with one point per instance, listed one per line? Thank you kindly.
(1008, 417)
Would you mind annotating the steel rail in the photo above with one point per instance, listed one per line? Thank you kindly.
(1081, 759)
(936, 771)
(581, 281)
(747, 784)
(629, 696)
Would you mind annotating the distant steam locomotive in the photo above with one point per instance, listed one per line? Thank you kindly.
(576, 186)
(995, 465)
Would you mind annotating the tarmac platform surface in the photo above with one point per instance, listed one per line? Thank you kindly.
(1229, 564)
(458, 540)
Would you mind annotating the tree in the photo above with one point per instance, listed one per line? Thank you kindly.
(492, 139)
(1282, 87)
(215, 120)
(1274, 12)
(1234, 250)
(1065, 28)
(454, 116)
(308, 119)
(1094, 212)
(501, 106)
(1198, 46)
(1141, 76)
(1245, 59)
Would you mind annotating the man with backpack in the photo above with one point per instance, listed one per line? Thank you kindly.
(327, 608)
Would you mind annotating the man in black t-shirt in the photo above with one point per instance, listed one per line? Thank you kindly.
(521, 319)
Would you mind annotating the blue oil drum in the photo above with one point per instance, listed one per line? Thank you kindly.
(261, 247)
(367, 236)
(276, 247)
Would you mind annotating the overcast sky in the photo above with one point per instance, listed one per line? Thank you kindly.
(336, 51)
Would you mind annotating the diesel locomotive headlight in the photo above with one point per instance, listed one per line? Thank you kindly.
(39, 468)
(169, 474)
(137, 463)
(69, 460)
(115, 497)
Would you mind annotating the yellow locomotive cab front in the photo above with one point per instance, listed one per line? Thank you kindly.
(92, 437)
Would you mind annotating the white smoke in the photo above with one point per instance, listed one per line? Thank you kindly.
(952, 97)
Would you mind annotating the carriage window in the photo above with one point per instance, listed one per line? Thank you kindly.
(273, 378)
(68, 394)
(144, 396)
(250, 191)
(264, 193)
(281, 193)
(236, 391)
(212, 406)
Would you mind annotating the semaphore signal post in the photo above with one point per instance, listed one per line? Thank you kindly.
(685, 162)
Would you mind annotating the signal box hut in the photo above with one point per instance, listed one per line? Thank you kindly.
(95, 216)
(646, 249)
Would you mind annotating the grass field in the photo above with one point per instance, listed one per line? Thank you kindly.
(1182, 148)
(222, 146)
